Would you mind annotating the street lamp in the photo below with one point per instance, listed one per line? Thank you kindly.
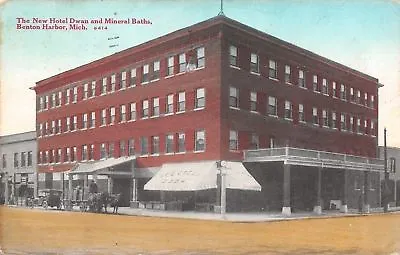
(221, 166)
(386, 182)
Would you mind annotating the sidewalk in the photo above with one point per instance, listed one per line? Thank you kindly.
(232, 217)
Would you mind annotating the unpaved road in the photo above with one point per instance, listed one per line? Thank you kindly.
(26, 231)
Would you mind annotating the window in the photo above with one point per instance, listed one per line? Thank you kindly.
(301, 113)
(91, 152)
(234, 97)
(68, 124)
(84, 152)
(122, 148)
(255, 142)
(85, 121)
(373, 131)
(122, 112)
(103, 151)
(200, 142)
(131, 147)
(334, 92)
(75, 95)
(104, 86)
(93, 90)
(343, 122)
(272, 109)
(53, 127)
(169, 143)
(111, 150)
(92, 119)
(156, 70)
(74, 154)
(46, 102)
(302, 80)
(372, 101)
(85, 91)
(67, 97)
(365, 126)
(233, 140)
(59, 98)
(58, 156)
(68, 155)
(52, 156)
(288, 77)
(123, 80)
(324, 87)
(103, 117)
(358, 128)
(315, 83)
(200, 57)
(342, 92)
(53, 100)
(144, 150)
(272, 142)
(132, 115)
(181, 142)
(75, 123)
(358, 100)
(182, 63)
(145, 109)
(333, 123)
(40, 133)
(273, 69)
(46, 130)
(253, 101)
(325, 121)
(4, 160)
(352, 96)
(41, 105)
(156, 107)
(23, 159)
(351, 128)
(46, 157)
(170, 104)
(170, 70)
(133, 77)
(233, 56)
(181, 102)
(200, 98)
(365, 98)
(112, 82)
(155, 145)
(112, 115)
(29, 158)
(288, 110)
(315, 115)
(392, 164)
(254, 68)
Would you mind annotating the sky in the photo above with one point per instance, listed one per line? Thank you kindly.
(361, 34)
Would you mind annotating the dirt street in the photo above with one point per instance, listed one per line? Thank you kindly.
(26, 231)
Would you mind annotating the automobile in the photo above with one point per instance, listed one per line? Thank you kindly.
(51, 198)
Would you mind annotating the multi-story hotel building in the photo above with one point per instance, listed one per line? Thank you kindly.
(207, 93)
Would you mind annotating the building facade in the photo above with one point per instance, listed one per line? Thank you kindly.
(393, 157)
(18, 166)
(207, 93)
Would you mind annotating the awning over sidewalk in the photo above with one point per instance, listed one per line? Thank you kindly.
(200, 176)
(101, 166)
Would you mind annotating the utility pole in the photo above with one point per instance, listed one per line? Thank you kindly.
(386, 184)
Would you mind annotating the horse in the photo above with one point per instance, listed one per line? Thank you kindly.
(97, 201)
(114, 202)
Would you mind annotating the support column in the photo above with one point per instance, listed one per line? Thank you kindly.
(110, 185)
(85, 188)
(35, 184)
(70, 191)
(134, 190)
(223, 193)
(6, 195)
(366, 191)
(286, 210)
(344, 208)
(318, 206)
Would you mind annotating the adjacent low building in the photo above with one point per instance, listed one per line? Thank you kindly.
(393, 157)
(18, 166)
(157, 120)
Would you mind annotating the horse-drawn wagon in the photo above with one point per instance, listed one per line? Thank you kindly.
(51, 198)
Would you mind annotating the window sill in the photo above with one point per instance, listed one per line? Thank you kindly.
(199, 151)
(169, 153)
(144, 118)
(131, 120)
(234, 108)
(235, 67)
(180, 112)
(180, 73)
(155, 116)
(144, 156)
(169, 76)
(254, 112)
(273, 116)
(258, 74)
(145, 83)
(303, 87)
(155, 155)
(327, 95)
(132, 86)
(288, 119)
(155, 80)
(199, 109)
(168, 114)
(288, 83)
(180, 153)
(272, 78)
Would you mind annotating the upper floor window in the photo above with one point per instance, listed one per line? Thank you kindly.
(200, 140)
(133, 77)
(103, 117)
(170, 104)
(342, 92)
(365, 126)
(315, 116)
(53, 100)
(233, 97)
(325, 121)
(85, 91)
(233, 55)
(155, 145)
(233, 140)
(200, 57)
(334, 90)
(122, 113)
(181, 142)
(16, 161)
(46, 102)
(85, 121)
(111, 150)
(104, 86)
(169, 143)
(182, 62)
(132, 115)
(84, 152)
(91, 152)
(75, 96)
(315, 83)
(30, 158)
(302, 80)
(122, 148)
(156, 107)
(352, 96)
(365, 98)
(181, 102)
(131, 147)
(372, 101)
(254, 65)
(170, 70)
(67, 96)
(113, 81)
(373, 131)
(68, 124)
(144, 146)
(41, 104)
(343, 125)
(288, 110)
(333, 123)
(93, 89)
(68, 154)
(23, 159)
(255, 142)
(301, 113)
(103, 151)
(93, 119)
(358, 100)
(351, 127)
(273, 69)
(123, 80)
(358, 127)
(324, 87)
(145, 75)
(145, 108)
(253, 101)
(272, 106)
(156, 70)
(200, 98)
(288, 73)
(75, 123)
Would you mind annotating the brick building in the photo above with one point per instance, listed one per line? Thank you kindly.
(204, 94)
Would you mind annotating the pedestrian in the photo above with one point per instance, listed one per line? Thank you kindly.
(93, 187)
(78, 192)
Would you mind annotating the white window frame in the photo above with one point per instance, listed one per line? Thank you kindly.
(200, 101)
(233, 140)
(254, 63)
(200, 135)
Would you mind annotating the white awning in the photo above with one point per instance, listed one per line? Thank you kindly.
(100, 166)
(200, 176)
